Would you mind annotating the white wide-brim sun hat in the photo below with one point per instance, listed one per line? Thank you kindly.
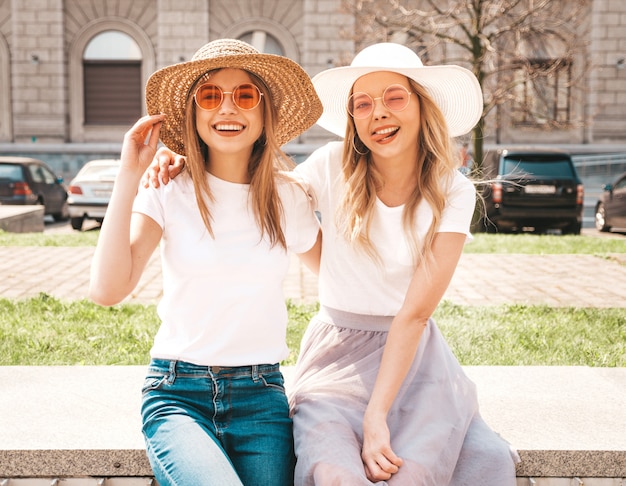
(454, 88)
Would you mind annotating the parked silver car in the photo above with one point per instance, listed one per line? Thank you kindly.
(90, 191)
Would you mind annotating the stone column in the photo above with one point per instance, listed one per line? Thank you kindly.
(328, 35)
(328, 42)
(38, 72)
(607, 98)
(183, 28)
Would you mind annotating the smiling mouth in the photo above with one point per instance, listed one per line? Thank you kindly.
(385, 133)
(228, 127)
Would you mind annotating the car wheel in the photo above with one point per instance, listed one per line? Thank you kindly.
(64, 215)
(600, 219)
(77, 223)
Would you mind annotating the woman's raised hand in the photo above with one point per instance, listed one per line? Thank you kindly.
(140, 142)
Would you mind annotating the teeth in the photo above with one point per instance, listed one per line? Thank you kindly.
(234, 128)
(385, 131)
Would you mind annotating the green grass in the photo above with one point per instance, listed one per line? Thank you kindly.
(521, 335)
(299, 317)
(47, 331)
(76, 238)
(546, 244)
(483, 242)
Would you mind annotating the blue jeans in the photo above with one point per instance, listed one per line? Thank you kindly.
(217, 426)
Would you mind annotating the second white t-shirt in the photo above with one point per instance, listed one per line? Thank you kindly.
(349, 279)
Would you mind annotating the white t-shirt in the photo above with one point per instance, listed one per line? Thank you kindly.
(223, 303)
(350, 280)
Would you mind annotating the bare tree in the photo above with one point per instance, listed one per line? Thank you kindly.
(527, 54)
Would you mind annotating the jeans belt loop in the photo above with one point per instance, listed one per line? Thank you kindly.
(171, 377)
(255, 372)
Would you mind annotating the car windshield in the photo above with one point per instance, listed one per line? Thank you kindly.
(549, 168)
(11, 172)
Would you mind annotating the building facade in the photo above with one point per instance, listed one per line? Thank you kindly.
(73, 72)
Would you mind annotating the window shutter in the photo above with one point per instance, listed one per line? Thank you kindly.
(112, 92)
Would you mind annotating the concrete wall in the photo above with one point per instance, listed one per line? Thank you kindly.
(607, 97)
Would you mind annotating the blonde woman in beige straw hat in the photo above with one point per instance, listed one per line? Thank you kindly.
(378, 396)
(214, 407)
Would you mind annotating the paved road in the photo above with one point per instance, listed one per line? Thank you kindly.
(480, 279)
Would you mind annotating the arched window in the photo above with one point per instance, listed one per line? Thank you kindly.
(112, 79)
(266, 35)
(264, 42)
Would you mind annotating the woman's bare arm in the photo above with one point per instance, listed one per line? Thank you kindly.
(126, 240)
(426, 289)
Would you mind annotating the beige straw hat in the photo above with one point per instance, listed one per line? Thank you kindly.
(292, 92)
(455, 89)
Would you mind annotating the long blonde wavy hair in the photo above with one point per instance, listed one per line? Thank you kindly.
(435, 165)
(268, 163)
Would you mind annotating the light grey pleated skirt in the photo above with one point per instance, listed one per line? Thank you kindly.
(434, 422)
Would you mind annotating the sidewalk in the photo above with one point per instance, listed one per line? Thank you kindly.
(480, 279)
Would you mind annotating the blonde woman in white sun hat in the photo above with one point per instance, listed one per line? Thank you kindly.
(214, 408)
(378, 396)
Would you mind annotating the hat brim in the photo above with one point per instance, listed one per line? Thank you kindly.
(292, 92)
(453, 88)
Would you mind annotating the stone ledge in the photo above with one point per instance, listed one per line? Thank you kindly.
(74, 463)
(22, 219)
(69, 421)
(587, 464)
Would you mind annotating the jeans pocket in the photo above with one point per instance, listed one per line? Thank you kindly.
(152, 382)
(274, 380)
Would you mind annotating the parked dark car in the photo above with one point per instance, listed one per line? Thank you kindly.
(30, 181)
(90, 191)
(531, 190)
(611, 207)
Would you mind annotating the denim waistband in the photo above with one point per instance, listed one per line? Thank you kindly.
(184, 368)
